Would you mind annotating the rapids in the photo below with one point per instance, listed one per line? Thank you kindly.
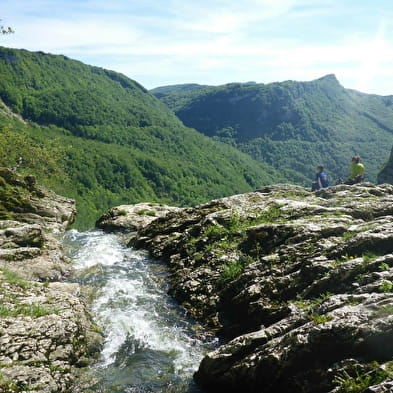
(150, 343)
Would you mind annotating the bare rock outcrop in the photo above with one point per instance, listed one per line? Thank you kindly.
(131, 218)
(46, 331)
(298, 284)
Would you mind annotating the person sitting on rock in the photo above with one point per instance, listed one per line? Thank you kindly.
(356, 171)
(321, 179)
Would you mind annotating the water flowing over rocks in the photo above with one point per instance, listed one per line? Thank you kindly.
(300, 285)
(46, 332)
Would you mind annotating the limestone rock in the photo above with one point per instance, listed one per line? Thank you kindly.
(46, 331)
(131, 218)
(300, 285)
(27, 202)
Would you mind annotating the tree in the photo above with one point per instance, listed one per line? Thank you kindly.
(5, 30)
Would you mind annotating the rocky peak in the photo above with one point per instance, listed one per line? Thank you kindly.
(331, 78)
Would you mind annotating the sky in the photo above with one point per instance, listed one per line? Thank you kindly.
(213, 42)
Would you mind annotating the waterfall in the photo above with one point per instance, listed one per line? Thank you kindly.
(150, 343)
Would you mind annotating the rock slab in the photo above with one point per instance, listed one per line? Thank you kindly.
(299, 285)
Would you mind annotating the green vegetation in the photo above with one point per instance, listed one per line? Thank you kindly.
(339, 261)
(319, 319)
(31, 310)
(293, 126)
(386, 174)
(146, 212)
(367, 257)
(370, 256)
(270, 215)
(383, 311)
(231, 233)
(359, 379)
(310, 304)
(384, 267)
(14, 279)
(229, 236)
(6, 385)
(45, 160)
(222, 238)
(231, 270)
(348, 235)
(386, 286)
(101, 138)
(14, 196)
(163, 91)
(11, 306)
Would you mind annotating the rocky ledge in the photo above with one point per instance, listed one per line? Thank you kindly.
(298, 284)
(46, 332)
(132, 218)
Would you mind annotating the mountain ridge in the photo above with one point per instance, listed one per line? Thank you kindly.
(306, 123)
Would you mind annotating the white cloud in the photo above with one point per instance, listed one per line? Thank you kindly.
(220, 40)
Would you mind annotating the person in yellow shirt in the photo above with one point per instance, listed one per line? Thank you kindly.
(356, 171)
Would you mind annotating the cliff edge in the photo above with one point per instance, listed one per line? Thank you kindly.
(46, 332)
(299, 285)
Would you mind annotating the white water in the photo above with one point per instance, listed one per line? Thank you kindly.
(150, 344)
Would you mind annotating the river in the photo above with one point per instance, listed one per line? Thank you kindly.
(150, 343)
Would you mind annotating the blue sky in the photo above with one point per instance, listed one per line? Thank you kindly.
(164, 42)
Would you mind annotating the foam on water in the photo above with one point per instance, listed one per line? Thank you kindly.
(142, 323)
(97, 249)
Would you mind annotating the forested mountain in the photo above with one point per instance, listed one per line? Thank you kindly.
(164, 91)
(386, 175)
(101, 138)
(294, 126)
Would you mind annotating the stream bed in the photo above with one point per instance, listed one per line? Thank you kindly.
(151, 346)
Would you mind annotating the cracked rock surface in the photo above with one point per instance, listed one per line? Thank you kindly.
(46, 331)
(298, 284)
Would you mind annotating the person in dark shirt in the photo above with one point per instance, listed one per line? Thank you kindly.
(321, 179)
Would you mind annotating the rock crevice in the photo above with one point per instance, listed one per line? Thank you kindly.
(299, 285)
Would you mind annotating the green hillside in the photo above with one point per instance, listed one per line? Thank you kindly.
(386, 174)
(101, 138)
(163, 91)
(294, 126)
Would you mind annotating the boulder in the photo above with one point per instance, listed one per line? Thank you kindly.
(131, 218)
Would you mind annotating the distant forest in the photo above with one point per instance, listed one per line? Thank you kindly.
(292, 126)
(101, 138)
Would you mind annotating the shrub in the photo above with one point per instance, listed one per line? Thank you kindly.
(386, 286)
(231, 270)
(360, 380)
